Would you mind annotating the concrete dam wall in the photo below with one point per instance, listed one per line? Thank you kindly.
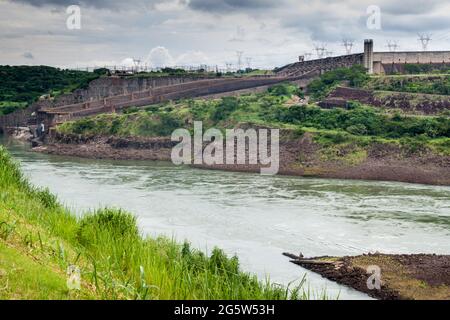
(374, 62)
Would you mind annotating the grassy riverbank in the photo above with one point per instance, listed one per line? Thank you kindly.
(40, 239)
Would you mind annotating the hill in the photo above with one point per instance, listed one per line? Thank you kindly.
(22, 85)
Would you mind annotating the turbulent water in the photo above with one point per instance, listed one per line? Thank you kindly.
(256, 217)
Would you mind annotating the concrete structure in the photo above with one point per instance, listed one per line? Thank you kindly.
(320, 65)
(139, 98)
(368, 56)
(112, 94)
(374, 62)
(383, 60)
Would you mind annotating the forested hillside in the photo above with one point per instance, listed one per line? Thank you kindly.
(22, 85)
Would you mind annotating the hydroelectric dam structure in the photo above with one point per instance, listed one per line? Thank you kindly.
(114, 93)
(378, 63)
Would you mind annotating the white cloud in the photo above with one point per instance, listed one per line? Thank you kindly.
(193, 58)
(196, 32)
(173, 5)
(159, 57)
(127, 62)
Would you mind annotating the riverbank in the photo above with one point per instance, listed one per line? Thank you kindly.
(402, 277)
(355, 141)
(41, 241)
(253, 216)
(309, 155)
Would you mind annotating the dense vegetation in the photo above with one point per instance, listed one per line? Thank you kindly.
(414, 68)
(22, 85)
(355, 76)
(438, 84)
(361, 120)
(271, 108)
(40, 239)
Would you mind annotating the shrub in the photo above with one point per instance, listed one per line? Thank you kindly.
(280, 90)
(48, 199)
(357, 129)
(131, 110)
(114, 225)
(356, 76)
(168, 123)
(83, 125)
(225, 108)
(414, 145)
(219, 263)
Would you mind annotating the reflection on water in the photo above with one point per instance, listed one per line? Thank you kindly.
(256, 217)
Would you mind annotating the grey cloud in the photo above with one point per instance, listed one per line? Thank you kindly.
(414, 7)
(225, 6)
(41, 3)
(28, 55)
(98, 4)
(420, 24)
(176, 27)
(332, 21)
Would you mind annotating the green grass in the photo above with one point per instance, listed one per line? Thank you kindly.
(21, 277)
(43, 239)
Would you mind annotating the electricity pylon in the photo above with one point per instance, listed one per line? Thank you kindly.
(392, 45)
(425, 40)
(348, 45)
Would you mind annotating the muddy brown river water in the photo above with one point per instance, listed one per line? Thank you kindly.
(255, 217)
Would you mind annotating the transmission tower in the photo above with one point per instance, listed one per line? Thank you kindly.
(320, 51)
(348, 45)
(229, 65)
(392, 45)
(239, 59)
(249, 62)
(425, 40)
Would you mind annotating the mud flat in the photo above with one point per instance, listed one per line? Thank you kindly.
(298, 157)
(403, 277)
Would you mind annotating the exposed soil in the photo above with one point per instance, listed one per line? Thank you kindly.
(403, 277)
(299, 156)
(411, 103)
(155, 149)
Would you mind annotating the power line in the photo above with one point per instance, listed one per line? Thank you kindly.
(392, 45)
(239, 59)
(229, 65)
(441, 35)
(307, 55)
(425, 40)
(249, 62)
(320, 51)
(348, 45)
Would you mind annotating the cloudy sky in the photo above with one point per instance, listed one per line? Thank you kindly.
(192, 32)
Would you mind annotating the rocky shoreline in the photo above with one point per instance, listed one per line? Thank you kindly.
(386, 277)
(298, 157)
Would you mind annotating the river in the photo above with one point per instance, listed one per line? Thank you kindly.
(255, 217)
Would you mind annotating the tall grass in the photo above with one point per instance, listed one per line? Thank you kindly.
(116, 260)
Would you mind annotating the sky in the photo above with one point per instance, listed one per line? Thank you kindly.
(269, 33)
